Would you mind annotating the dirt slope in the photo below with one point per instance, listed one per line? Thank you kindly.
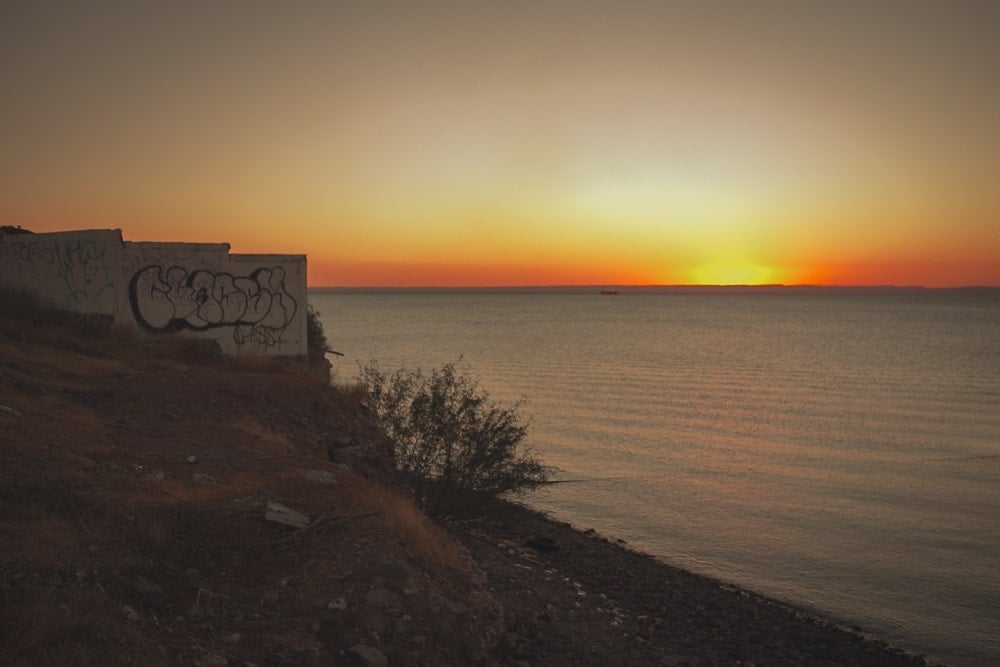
(134, 482)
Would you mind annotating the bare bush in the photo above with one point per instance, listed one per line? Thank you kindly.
(454, 447)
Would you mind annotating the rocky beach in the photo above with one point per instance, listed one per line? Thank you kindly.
(573, 597)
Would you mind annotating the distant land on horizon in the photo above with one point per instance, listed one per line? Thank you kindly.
(666, 289)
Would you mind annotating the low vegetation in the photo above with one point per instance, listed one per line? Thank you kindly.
(136, 475)
(315, 333)
(454, 447)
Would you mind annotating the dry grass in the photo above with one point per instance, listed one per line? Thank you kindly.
(409, 527)
(75, 625)
(262, 438)
(115, 549)
(53, 542)
(354, 391)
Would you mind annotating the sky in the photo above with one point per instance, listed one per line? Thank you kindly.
(519, 143)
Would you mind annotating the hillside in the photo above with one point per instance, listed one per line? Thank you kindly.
(141, 480)
(134, 482)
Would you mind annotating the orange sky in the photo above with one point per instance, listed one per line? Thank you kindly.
(456, 143)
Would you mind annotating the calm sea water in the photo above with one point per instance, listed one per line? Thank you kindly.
(839, 452)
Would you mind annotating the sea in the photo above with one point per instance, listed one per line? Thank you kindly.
(837, 451)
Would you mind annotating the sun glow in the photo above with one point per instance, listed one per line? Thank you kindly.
(472, 144)
(734, 273)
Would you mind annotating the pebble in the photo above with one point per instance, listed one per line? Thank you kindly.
(201, 479)
(393, 571)
(144, 586)
(381, 597)
(369, 655)
(457, 608)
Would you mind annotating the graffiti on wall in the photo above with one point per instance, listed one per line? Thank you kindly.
(79, 264)
(82, 269)
(30, 251)
(257, 307)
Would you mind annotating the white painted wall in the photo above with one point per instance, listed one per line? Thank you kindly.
(279, 309)
(78, 271)
(247, 303)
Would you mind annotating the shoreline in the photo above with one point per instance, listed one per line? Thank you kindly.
(575, 597)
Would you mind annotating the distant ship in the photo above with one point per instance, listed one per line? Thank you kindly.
(609, 291)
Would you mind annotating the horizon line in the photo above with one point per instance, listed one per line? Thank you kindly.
(662, 286)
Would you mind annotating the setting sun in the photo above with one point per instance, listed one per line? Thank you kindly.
(733, 273)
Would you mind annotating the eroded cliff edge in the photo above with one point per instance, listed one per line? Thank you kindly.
(139, 481)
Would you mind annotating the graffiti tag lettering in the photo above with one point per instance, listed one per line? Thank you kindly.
(26, 252)
(82, 268)
(171, 299)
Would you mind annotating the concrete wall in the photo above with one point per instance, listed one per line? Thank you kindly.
(247, 303)
(78, 271)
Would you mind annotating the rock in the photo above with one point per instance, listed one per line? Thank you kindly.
(130, 613)
(339, 603)
(368, 656)
(457, 608)
(381, 597)
(394, 572)
(346, 455)
(201, 479)
(157, 474)
(194, 578)
(279, 513)
(192, 459)
(7, 410)
(144, 586)
(374, 618)
(324, 477)
(542, 543)
(233, 638)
